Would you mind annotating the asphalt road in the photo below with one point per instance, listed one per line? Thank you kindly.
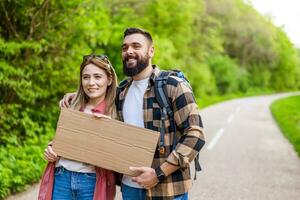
(245, 156)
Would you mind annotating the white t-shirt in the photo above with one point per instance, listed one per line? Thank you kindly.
(76, 166)
(133, 113)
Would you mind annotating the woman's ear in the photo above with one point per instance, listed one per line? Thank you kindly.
(109, 81)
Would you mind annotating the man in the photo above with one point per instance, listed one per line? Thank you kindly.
(169, 177)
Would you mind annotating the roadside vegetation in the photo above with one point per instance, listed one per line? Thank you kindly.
(287, 114)
(225, 48)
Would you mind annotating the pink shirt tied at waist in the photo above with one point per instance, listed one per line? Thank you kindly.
(105, 187)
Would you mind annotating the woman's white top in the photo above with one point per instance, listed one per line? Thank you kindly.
(76, 166)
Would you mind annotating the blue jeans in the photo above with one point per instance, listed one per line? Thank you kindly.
(131, 193)
(70, 185)
(181, 197)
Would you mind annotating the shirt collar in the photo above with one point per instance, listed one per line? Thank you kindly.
(154, 74)
(100, 108)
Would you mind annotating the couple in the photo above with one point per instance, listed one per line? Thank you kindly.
(169, 177)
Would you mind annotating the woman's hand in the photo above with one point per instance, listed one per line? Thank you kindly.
(49, 154)
(98, 115)
(67, 100)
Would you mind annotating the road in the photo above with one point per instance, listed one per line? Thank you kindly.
(245, 156)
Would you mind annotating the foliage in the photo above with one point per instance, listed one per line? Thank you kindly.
(225, 72)
(20, 165)
(223, 47)
(287, 114)
(262, 50)
(288, 62)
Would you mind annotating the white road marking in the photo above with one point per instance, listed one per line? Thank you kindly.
(218, 135)
(230, 118)
(215, 139)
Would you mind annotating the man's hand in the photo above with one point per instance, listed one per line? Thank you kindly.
(49, 154)
(146, 178)
(67, 99)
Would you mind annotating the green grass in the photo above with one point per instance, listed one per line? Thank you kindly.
(210, 100)
(287, 114)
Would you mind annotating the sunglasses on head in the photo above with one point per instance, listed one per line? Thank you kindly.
(100, 57)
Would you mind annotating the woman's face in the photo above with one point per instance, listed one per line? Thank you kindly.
(94, 82)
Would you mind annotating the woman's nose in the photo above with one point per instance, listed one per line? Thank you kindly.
(91, 81)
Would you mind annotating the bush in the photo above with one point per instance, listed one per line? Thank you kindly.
(22, 165)
(226, 73)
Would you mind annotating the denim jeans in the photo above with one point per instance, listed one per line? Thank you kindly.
(70, 185)
(131, 193)
(181, 197)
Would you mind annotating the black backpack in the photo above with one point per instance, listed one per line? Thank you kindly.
(161, 95)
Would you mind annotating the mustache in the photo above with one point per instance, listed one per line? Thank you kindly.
(131, 56)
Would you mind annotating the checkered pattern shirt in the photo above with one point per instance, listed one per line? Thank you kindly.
(189, 133)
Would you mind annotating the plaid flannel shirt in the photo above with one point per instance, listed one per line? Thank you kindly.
(189, 134)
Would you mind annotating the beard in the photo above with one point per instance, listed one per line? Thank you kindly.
(141, 64)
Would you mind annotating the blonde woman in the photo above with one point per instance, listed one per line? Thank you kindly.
(66, 179)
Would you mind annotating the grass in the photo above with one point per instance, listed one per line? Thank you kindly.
(287, 114)
(210, 100)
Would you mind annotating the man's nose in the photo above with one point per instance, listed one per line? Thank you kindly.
(129, 50)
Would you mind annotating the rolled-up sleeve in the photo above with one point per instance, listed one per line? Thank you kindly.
(189, 123)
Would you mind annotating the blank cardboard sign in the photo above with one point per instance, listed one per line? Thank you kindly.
(105, 143)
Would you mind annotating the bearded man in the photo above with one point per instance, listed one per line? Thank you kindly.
(169, 177)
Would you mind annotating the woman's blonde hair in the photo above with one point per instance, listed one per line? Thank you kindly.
(103, 63)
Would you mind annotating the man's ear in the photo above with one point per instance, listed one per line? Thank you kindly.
(151, 51)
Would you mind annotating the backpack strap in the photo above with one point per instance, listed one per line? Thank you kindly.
(160, 90)
(197, 166)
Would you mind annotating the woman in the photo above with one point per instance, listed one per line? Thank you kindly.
(66, 179)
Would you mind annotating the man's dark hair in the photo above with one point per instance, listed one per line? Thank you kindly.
(130, 31)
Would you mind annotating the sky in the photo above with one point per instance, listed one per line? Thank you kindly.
(284, 13)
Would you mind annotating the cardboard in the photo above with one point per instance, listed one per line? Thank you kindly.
(106, 143)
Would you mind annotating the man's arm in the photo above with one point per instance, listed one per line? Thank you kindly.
(188, 121)
(187, 118)
(148, 177)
